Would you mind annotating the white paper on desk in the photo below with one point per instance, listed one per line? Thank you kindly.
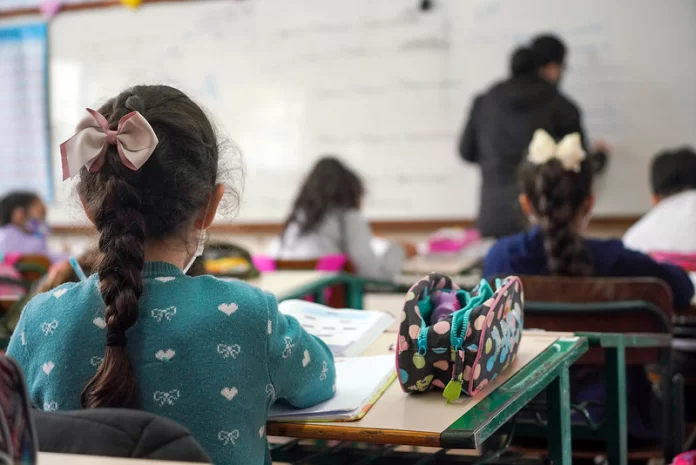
(347, 332)
(358, 381)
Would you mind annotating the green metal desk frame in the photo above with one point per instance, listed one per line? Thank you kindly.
(615, 430)
(354, 287)
(547, 371)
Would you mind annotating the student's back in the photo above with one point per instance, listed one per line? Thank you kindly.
(326, 220)
(207, 353)
(555, 186)
(211, 354)
(670, 225)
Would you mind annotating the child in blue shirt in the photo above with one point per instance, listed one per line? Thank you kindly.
(555, 185)
(209, 354)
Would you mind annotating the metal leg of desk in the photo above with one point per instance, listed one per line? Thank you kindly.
(558, 395)
(355, 290)
(616, 428)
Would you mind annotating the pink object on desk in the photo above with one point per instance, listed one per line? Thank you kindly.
(452, 240)
(683, 260)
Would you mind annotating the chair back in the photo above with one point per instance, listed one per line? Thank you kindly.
(602, 305)
(32, 267)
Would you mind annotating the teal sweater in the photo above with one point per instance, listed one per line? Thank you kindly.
(210, 354)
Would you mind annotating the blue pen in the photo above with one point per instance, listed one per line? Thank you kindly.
(78, 269)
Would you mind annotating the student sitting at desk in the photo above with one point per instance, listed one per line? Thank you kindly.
(326, 220)
(671, 224)
(556, 192)
(210, 354)
(22, 224)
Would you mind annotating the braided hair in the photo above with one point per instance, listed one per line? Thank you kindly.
(129, 208)
(558, 196)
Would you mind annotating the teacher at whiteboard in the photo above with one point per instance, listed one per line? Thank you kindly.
(501, 124)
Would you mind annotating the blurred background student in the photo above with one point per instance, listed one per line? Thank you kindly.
(502, 121)
(326, 220)
(671, 224)
(23, 227)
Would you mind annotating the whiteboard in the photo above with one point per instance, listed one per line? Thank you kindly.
(385, 86)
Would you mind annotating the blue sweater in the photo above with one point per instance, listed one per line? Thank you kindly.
(524, 254)
(210, 354)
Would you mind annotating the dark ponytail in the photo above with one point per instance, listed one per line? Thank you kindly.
(557, 196)
(155, 203)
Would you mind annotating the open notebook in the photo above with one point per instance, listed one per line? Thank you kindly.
(360, 381)
(347, 332)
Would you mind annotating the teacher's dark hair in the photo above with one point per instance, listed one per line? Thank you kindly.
(523, 61)
(330, 185)
(161, 200)
(548, 48)
(557, 197)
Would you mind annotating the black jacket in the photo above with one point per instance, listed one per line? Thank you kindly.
(499, 130)
(116, 433)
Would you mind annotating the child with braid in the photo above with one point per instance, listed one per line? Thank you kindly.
(555, 185)
(209, 354)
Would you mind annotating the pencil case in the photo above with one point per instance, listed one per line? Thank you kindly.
(455, 340)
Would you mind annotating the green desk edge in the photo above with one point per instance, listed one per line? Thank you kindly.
(477, 425)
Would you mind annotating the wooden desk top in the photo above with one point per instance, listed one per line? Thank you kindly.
(289, 283)
(426, 420)
(69, 459)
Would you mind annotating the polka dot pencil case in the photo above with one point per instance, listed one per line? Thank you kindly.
(455, 340)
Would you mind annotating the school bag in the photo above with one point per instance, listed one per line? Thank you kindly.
(456, 340)
(226, 260)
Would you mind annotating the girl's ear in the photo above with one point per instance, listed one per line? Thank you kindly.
(206, 219)
(526, 205)
(88, 212)
(589, 205)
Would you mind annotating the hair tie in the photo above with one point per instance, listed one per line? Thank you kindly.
(134, 139)
(568, 151)
(115, 338)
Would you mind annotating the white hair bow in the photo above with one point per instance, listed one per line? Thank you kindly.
(568, 151)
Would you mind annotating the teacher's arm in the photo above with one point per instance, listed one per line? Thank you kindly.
(468, 144)
(569, 120)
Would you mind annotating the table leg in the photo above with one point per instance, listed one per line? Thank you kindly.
(558, 395)
(616, 428)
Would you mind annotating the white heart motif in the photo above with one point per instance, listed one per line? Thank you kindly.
(48, 367)
(261, 431)
(229, 393)
(59, 293)
(99, 322)
(165, 355)
(306, 359)
(165, 279)
(228, 309)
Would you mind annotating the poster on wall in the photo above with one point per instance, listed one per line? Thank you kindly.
(24, 127)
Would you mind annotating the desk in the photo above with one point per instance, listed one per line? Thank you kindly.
(426, 420)
(287, 285)
(69, 459)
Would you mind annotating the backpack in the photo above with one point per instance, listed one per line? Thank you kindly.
(456, 340)
(226, 260)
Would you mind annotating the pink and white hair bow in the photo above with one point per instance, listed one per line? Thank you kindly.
(134, 139)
